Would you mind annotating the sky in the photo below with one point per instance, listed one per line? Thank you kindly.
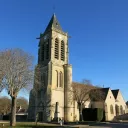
(98, 47)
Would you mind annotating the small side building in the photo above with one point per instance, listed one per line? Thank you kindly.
(21, 114)
(113, 104)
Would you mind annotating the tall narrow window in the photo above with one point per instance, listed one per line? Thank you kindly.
(42, 53)
(62, 51)
(56, 75)
(56, 48)
(121, 110)
(117, 110)
(47, 49)
(111, 109)
(61, 79)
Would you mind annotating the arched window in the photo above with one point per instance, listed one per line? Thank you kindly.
(61, 79)
(56, 75)
(62, 51)
(56, 49)
(39, 94)
(42, 52)
(117, 110)
(47, 49)
(121, 109)
(111, 109)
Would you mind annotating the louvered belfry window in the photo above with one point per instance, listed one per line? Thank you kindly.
(62, 51)
(56, 48)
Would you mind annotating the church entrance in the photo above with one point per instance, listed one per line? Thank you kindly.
(40, 116)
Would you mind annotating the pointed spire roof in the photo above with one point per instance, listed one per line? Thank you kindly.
(53, 24)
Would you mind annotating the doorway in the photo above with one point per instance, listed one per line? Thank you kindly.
(40, 116)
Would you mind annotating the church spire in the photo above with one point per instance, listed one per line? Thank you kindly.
(53, 24)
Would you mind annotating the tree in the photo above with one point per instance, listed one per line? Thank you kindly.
(5, 105)
(86, 82)
(21, 101)
(1, 70)
(81, 94)
(17, 73)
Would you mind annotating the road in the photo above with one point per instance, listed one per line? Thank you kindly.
(111, 125)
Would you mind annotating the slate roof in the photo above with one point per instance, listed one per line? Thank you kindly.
(127, 103)
(97, 97)
(115, 93)
(54, 23)
(105, 91)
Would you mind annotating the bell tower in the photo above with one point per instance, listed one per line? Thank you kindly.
(53, 45)
(55, 74)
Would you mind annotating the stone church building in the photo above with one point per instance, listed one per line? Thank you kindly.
(53, 79)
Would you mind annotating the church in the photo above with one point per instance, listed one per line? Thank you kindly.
(49, 97)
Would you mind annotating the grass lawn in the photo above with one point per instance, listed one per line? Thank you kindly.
(30, 125)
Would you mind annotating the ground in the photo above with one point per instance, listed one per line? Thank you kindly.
(110, 125)
(47, 125)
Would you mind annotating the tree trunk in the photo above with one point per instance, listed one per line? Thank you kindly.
(13, 112)
(80, 112)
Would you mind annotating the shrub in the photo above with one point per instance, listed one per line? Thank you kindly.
(93, 114)
(99, 114)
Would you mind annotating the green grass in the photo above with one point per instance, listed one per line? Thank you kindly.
(23, 125)
(30, 125)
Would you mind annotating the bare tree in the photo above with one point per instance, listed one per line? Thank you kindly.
(1, 70)
(81, 94)
(17, 73)
(86, 82)
(5, 105)
(97, 94)
(21, 101)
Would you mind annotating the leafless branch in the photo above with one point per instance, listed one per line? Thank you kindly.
(16, 73)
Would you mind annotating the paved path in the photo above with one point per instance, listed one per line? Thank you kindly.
(111, 125)
(100, 125)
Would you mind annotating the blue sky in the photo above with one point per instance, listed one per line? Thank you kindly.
(98, 29)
